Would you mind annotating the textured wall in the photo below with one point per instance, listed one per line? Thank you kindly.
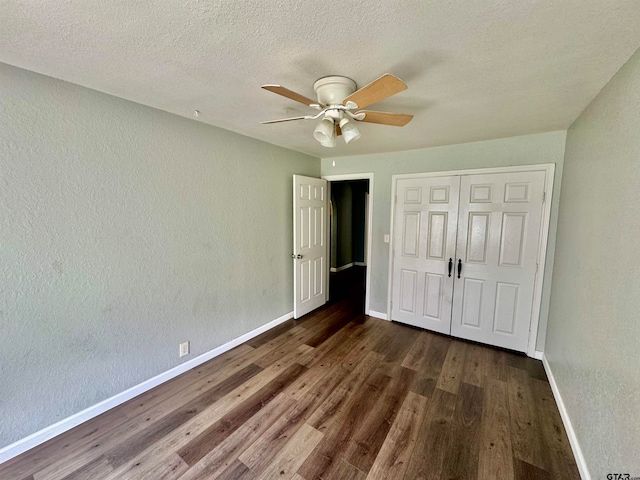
(594, 327)
(358, 219)
(343, 195)
(348, 222)
(524, 150)
(124, 231)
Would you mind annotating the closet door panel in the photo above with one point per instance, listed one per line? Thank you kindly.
(425, 217)
(498, 229)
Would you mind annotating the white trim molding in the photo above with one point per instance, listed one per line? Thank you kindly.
(369, 224)
(360, 264)
(47, 433)
(573, 439)
(538, 355)
(343, 267)
(380, 315)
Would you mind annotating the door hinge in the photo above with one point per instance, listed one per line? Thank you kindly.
(544, 197)
(536, 268)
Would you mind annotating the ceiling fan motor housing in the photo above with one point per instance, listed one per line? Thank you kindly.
(334, 89)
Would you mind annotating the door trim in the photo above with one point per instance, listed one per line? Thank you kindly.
(357, 176)
(549, 169)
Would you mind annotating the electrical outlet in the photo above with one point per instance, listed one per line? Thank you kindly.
(184, 349)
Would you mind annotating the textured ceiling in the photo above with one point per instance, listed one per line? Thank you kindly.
(475, 69)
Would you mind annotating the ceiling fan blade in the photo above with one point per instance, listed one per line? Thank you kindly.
(384, 118)
(338, 131)
(285, 120)
(285, 92)
(379, 89)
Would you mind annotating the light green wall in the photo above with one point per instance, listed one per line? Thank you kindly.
(358, 219)
(342, 194)
(523, 150)
(124, 231)
(347, 234)
(594, 321)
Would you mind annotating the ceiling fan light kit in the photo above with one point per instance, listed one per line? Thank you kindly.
(338, 98)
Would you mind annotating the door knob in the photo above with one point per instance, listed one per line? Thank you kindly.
(459, 267)
(450, 265)
(293, 255)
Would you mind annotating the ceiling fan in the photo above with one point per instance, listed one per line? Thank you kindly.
(339, 103)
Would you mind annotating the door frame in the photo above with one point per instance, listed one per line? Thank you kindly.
(369, 225)
(549, 169)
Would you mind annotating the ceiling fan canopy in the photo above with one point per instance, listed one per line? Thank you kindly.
(339, 102)
(332, 90)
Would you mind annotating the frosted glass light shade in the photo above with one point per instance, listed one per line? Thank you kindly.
(325, 133)
(349, 130)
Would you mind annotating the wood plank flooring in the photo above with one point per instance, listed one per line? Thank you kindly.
(334, 395)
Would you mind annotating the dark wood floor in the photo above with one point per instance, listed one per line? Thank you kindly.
(335, 395)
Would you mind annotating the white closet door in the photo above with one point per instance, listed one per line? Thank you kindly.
(497, 248)
(425, 217)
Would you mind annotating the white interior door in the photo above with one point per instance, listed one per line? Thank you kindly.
(498, 231)
(310, 253)
(426, 213)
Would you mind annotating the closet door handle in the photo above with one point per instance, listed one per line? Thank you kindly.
(450, 265)
(459, 267)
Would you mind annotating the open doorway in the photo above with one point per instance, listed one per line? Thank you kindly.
(349, 238)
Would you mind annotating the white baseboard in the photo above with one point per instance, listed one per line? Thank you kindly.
(360, 264)
(343, 267)
(538, 355)
(381, 316)
(47, 433)
(573, 439)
